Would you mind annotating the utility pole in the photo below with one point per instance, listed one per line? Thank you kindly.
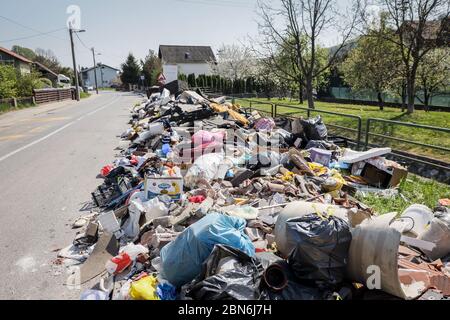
(95, 70)
(77, 88)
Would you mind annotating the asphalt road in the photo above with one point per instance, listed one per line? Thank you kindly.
(49, 159)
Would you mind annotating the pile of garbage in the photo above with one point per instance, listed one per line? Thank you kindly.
(208, 200)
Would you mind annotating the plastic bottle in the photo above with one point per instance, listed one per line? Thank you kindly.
(127, 255)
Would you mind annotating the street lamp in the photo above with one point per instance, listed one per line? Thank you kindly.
(77, 87)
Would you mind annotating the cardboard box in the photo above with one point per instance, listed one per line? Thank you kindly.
(383, 179)
(171, 186)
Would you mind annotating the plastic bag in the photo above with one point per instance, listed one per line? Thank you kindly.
(205, 167)
(321, 251)
(144, 289)
(227, 274)
(182, 258)
(131, 226)
(314, 128)
(166, 291)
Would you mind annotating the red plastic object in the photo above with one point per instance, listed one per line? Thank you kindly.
(134, 161)
(121, 262)
(106, 170)
(197, 199)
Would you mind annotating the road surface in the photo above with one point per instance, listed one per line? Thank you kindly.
(49, 159)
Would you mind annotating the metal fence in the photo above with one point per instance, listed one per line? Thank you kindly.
(274, 112)
(369, 133)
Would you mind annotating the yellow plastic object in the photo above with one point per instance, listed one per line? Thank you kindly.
(340, 181)
(288, 176)
(218, 107)
(318, 169)
(238, 117)
(144, 289)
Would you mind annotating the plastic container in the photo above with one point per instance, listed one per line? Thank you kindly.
(122, 261)
(320, 156)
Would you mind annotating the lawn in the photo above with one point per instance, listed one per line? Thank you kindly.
(434, 118)
(414, 189)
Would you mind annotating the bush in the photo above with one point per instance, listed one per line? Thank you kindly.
(45, 83)
(26, 83)
(8, 82)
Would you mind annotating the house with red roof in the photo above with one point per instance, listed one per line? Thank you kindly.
(22, 64)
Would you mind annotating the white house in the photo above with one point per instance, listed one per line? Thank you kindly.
(185, 60)
(105, 76)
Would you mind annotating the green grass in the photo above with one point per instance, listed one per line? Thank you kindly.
(415, 190)
(7, 107)
(433, 118)
(107, 89)
(84, 95)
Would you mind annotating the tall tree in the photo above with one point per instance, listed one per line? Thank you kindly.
(48, 59)
(130, 70)
(303, 22)
(233, 62)
(373, 64)
(151, 67)
(420, 26)
(433, 74)
(25, 52)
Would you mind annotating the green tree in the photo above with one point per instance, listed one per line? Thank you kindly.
(130, 70)
(151, 68)
(8, 82)
(191, 80)
(433, 74)
(24, 52)
(26, 83)
(373, 64)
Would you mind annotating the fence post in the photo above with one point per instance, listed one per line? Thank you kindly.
(14, 100)
(367, 134)
(358, 142)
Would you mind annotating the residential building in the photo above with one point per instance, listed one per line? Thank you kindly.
(46, 72)
(186, 60)
(106, 76)
(22, 64)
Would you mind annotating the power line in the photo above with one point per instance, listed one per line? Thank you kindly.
(30, 28)
(33, 36)
(219, 3)
(76, 33)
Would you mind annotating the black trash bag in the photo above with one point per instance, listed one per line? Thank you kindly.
(321, 144)
(228, 274)
(283, 123)
(267, 159)
(321, 248)
(293, 290)
(314, 129)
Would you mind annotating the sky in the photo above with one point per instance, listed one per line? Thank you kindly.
(117, 27)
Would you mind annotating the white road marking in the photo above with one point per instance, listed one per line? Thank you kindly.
(56, 131)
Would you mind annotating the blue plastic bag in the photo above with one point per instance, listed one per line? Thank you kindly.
(182, 259)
